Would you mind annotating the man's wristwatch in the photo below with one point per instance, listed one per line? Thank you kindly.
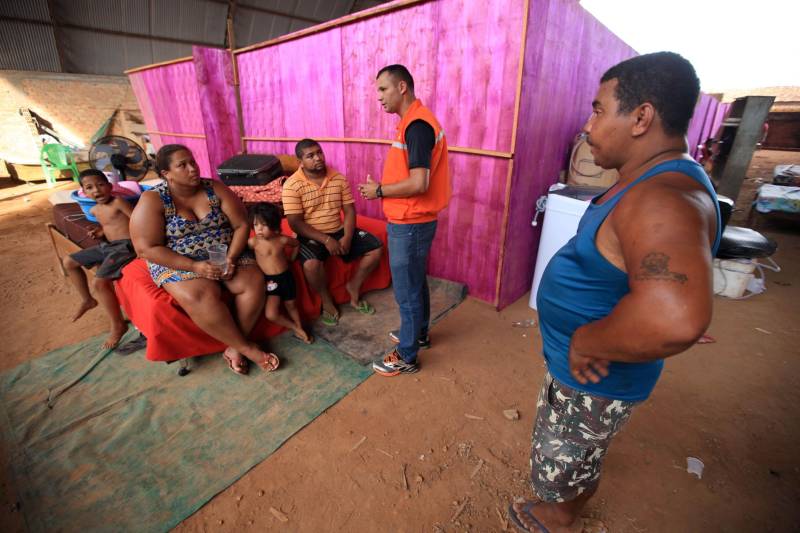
(379, 192)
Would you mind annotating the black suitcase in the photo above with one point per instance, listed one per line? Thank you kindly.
(250, 169)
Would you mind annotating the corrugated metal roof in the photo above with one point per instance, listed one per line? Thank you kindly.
(17, 53)
(108, 37)
(32, 9)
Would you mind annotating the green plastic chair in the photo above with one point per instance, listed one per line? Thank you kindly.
(54, 159)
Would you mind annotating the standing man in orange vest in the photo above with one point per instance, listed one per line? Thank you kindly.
(414, 188)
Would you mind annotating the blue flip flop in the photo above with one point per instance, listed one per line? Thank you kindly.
(512, 514)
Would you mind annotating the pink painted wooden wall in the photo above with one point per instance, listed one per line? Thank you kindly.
(465, 70)
(464, 56)
(567, 52)
(170, 102)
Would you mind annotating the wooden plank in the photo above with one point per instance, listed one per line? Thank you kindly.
(235, 71)
(63, 247)
(507, 202)
(157, 65)
(503, 233)
(347, 19)
(175, 134)
(456, 149)
(320, 139)
(520, 70)
(748, 134)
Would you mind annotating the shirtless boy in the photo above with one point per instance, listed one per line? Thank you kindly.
(113, 214)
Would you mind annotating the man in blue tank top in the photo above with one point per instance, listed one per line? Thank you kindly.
(633, 287)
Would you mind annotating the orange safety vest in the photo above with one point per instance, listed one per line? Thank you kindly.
(422, 207)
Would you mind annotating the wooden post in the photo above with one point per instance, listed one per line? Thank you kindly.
(748, 133)
(507, 198)
(235, 67)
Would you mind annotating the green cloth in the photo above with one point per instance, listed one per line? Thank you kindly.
(131, 446)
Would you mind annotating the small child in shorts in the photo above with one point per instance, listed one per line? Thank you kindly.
(269, 247)
(114, 215)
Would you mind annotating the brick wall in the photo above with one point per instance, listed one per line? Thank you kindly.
(75, 104)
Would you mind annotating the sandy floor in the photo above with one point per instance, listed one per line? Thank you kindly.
(733, 404)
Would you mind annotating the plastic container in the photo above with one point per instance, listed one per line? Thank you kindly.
(732, 276)
(130, 190)
(563, 211)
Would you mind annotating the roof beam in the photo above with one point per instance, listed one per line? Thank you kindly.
(57, 34)
(112, 32)
(268, 11)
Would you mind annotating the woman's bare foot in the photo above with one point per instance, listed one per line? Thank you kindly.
(85, 306)
(301, 334)
(267, 361)
(235, 361)
(117, 331)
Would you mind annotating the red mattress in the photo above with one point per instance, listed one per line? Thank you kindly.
(171, 334)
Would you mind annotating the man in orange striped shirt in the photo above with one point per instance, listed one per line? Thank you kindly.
(314, 199)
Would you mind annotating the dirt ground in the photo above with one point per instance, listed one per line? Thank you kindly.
(733, 404)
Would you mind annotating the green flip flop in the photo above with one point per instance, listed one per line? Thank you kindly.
(329, 319)
(364, 307)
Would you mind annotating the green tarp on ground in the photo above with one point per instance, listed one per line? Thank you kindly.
(133, 447)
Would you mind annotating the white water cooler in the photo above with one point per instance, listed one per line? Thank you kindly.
(563, 210)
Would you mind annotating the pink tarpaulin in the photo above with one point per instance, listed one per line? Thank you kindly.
(170, 102)
(695, 133)
(217, 94)
(708, 116)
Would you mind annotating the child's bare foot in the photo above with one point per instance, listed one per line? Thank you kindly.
(115, 336)
(301, 334)
(85, 306)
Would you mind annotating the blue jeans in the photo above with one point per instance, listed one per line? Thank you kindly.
(409, 246)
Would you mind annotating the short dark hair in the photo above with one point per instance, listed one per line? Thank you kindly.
(302, 145)
(666, 80)
(92, 172)
(164, 156)
(400, 73)
(267, 214)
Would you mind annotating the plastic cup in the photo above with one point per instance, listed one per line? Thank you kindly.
(218, 255)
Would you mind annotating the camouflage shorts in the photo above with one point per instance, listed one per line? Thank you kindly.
(572, 432)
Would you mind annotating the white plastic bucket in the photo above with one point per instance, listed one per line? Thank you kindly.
(561, 217)
(731, 276)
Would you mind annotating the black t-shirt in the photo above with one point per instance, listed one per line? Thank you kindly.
(420, 139)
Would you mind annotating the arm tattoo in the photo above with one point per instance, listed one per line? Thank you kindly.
(655, 267)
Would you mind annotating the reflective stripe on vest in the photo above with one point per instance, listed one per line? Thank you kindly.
(403, 146)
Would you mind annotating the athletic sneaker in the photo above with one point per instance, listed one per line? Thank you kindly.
(392, 365)
(423, 343)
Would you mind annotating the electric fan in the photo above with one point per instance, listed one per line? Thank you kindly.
(120, 156)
